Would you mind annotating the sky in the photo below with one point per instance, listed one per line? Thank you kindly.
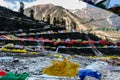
(69, 4)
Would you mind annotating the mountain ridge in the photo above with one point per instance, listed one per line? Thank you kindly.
(41, 11)
(99, 17)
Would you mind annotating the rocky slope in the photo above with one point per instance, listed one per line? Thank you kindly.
(86, 19)
(83, 18)
(99, 17)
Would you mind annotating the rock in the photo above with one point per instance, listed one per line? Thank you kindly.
(35, 65)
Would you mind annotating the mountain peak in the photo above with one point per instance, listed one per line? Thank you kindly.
(99, 17)
(55, 11)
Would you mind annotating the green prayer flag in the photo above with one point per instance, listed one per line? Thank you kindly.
(12, 76)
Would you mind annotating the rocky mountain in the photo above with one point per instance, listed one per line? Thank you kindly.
(85, 19)
(98, 17)
(42, 11)
(12, 21)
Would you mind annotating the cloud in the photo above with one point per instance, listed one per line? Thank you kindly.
(14, 6)
(69, 4)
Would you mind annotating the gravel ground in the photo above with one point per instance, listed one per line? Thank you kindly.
(34, 66)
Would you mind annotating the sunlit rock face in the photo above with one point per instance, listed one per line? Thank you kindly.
(43, 10)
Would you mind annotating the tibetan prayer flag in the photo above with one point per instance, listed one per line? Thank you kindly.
(2, 73)
(62, 68)
(12, 76)
(92, 73)
(99, 3)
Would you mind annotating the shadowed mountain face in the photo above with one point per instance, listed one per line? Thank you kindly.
(42, 11)
(13, 21)
(5, 12)
(98, 17)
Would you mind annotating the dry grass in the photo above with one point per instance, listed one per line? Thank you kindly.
(111, 34)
